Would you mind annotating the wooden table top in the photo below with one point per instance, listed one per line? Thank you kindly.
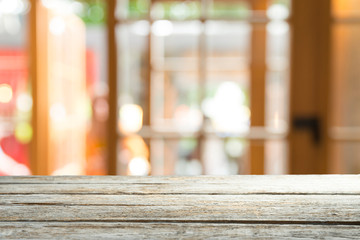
(204, 207)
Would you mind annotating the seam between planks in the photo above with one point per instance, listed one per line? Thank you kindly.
(220, 222)
(210, 194)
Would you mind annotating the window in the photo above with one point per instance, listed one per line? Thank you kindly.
(202, 86)
(167, 87)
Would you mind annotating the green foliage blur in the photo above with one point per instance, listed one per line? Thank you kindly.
(92, 12)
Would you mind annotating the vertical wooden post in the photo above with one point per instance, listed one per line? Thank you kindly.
(112, 138)
(40, 145)
(202, 77)
(257, 88)
(309, 83)
(33, 76)
(148, 118)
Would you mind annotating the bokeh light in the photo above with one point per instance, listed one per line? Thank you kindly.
(131, 118)
(227, 110)
(234, 147)
(23, 132)
(137, 146)
(6, 93)
(24, 102)
(139, 166)
(278, 12)
(162, 28)
(57, 26)
(58, 112)
(13, 6)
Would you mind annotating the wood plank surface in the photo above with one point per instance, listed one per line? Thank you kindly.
(236, 208)
(60, 230)
(204, 207)
(250, 184)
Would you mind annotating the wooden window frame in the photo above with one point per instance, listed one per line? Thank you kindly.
(310, 24)
(257, 90)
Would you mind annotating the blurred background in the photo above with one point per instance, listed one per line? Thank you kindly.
(179, 87)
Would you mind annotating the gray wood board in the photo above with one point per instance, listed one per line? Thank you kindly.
(258, 207)
(286, 184)
(101, 230)
(305, 208)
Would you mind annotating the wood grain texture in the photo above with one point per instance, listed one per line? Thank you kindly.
(70, 230)
(283, 184)
(185, 208)
(204, 207)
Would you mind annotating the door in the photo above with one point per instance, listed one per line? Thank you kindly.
(344, 98)
(324, 134)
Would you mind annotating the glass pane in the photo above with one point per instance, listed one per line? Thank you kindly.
(179, 102)
(226, 103)
(228, 45)
(175, 101)
(225, 157)
(276, 157)
(175, 157)
(345, 75)
(15, 90)
(345, 8)
(174, 80)
(96, 85)
(345, 157)
(175, 45)
(278, 9)
(277, 77)
(181, 157)
(133, 156)
(133, 70)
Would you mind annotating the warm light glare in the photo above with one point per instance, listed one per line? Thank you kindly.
(228, 110)
(24, 102)
(139, 167)
(13, 6)
(6, 93)
(162, 28)
(57, 26)
(137, 146)
(58, 112)
(70, 169)
(140, 28)
(278, 12)
(276, 120)
(131, 117)
(277, 28)
(60, 6)
(187, 118)
(277, 123)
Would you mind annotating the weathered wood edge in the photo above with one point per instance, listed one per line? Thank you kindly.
(71, 179)
(282, 184)
(76, 230)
